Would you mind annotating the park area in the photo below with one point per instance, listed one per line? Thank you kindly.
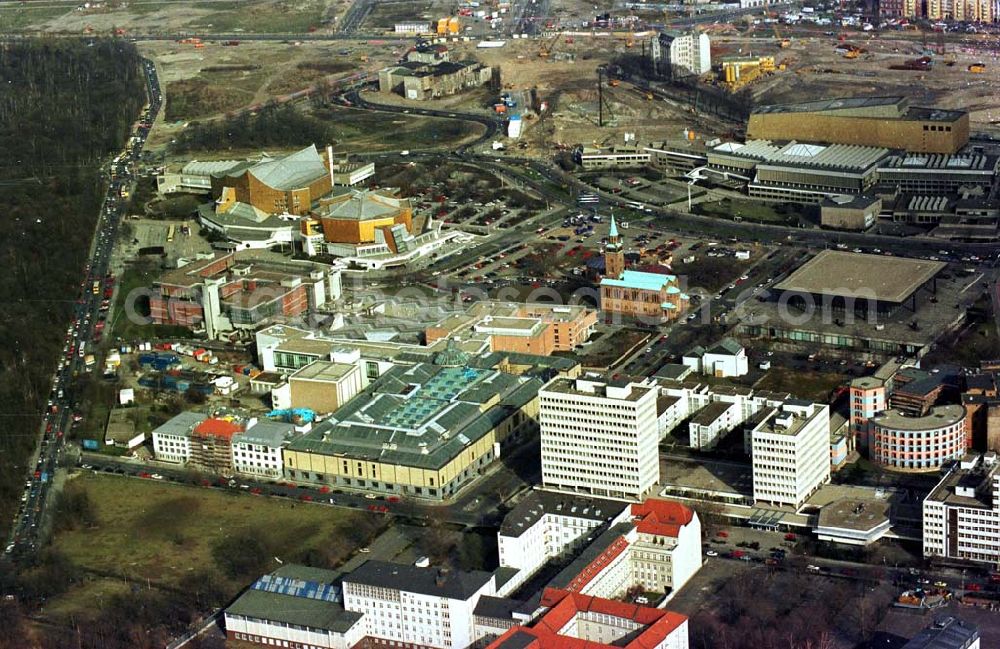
(116, 534)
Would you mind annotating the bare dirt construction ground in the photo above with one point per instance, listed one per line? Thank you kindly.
(213, 80)
(816, 70)
(567, 81)
(148, 16)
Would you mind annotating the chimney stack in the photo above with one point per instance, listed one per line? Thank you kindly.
(329, 160)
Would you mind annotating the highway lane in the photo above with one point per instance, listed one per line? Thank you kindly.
(82, 333)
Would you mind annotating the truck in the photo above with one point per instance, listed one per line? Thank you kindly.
(45, 476)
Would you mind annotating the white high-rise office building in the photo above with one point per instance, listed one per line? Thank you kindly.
(790, 452)
(599, 438)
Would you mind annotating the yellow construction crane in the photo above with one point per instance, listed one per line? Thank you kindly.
(549, 46)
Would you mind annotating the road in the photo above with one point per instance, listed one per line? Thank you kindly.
(93, 305)
(476, 505)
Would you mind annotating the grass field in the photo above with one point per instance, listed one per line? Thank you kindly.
(14, 19)
(134, 278)
(753, 211)
(148, 530)
(211, 93)
(388, 13)
(269, 16)
(806, 384)
(359, 128)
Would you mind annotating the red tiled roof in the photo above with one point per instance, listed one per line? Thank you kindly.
(564, 606)
(597, 565)
(218, 428)
(661, 517)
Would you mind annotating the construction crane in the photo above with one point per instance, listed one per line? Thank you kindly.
(549, 46)
(602, 105)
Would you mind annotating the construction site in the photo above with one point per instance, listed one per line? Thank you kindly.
(573, 73)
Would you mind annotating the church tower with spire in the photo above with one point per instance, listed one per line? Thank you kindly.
(614, 254)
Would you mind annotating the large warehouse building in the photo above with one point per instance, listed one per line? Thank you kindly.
(795, 171)
(423, 431)
(867, 306)
(862, 284)
(888, 122)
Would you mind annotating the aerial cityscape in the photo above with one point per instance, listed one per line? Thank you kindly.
(500, 324)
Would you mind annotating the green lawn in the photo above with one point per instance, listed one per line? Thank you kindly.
(13, 19)
(753, 211)
(136, 277)
(148, 530)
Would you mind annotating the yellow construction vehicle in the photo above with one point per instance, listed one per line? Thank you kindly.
(783, 43)
(977, 68)
(851, 54)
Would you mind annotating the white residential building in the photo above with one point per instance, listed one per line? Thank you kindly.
(723, 359)
(172, 440)
(599, 438)
(657, 547)
(544, 526)
(259, 450)
(710, 424)
(665, 547)
(423, 607)
(677, 55)
(790, 452)
(962, 513)
(294, 606)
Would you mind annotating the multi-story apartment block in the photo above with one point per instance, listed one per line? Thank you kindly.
(258, 451)
(546, 526)
(711, 423)
(676, 55)
(599, 438)
(408, 606)
(961, 10)
(961, 515)
(172, 439)
(665, 548)
(228, 446)
(658, 548)
(790, 451)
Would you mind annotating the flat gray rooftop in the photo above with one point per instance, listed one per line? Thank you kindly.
(854, 514)
(848, 274)
(938, 417)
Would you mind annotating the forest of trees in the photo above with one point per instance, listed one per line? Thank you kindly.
(65, 106)
(273, 126)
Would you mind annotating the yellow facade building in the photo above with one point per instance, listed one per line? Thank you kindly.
(424, 431)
